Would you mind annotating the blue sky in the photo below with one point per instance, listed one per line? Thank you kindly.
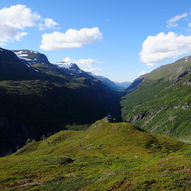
(102, 36)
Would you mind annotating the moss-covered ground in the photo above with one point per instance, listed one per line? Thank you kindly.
(106, 156)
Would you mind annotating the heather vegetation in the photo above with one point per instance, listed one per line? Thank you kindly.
(107, 156)
(46, 116)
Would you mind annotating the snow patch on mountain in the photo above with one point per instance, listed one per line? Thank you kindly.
(22, 55)
(72, 67)
(64, 65)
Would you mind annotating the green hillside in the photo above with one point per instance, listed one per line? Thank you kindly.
(38, 98)
(161, 103)
(107, 156)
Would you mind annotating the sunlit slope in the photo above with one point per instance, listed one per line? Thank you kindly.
(107, 156)
(161, 103)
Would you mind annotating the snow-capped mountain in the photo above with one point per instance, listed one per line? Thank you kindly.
(13, 67)
(32, 57)
(71, 67)
(33, 103)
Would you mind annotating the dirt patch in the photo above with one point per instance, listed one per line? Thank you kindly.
(171, 118)
(21, 183)
(27, 182)
(123, 185)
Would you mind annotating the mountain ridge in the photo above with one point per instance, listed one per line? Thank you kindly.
(161, 102)
(44, 99)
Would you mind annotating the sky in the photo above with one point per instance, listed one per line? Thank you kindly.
(118, 39)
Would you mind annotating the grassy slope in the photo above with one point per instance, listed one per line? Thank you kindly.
(161, 102)
(35, 108)
(107, 156)
(43, 99)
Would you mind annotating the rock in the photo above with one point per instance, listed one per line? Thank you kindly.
(138, 117)
(64, 160)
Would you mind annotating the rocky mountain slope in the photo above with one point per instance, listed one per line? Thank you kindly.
(161, 102)
(38, 98)
(107, 156)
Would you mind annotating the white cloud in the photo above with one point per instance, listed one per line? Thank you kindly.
(87, 65)
(15, 19)
(142, 73)
(164, 46)
(70, 39)
(173, 21)
(48, 23)
(20, 35)
(189, 24)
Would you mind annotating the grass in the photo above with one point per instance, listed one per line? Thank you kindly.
(43, 99)
(162, 102)
(107, 156)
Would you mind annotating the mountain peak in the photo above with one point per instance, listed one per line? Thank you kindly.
(69, 66)
(32, 57)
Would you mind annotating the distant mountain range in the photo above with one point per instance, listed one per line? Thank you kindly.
(33, 57)
(111, 84)
(123, 84)
(39, 98)
(161, 102)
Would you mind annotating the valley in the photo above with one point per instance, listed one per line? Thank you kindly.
(52, 137)
(95, 95)
(38, 98)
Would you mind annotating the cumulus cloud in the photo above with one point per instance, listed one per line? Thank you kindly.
(70, 39)
(173, 21)
(164, 46)
(87, 65)
(20, 35)
(15, 19)
(189, 24)
(48, 23)
(142, 73)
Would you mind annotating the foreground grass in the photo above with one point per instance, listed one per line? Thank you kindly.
(107, 156)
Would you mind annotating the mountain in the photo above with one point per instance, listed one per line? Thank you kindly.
(12, 68)
(39, 98)
(135, 83)
(161, 103)
(107, 82)
(72, 68)
(32, 57)
(63, 70)
(123, 84)
(107, 156)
